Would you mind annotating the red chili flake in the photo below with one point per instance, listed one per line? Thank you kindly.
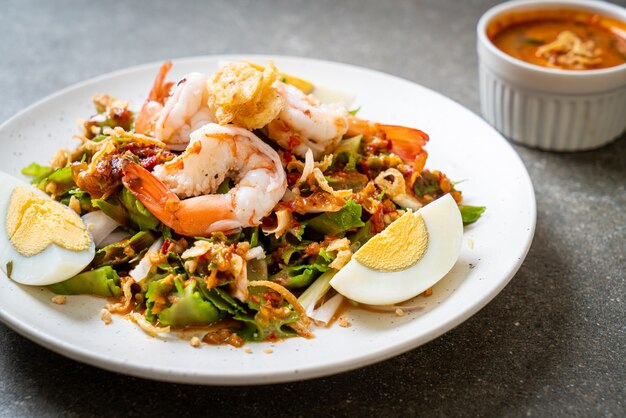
(165, 246)
(377, 219)
(272, 297)
(292, 178)
(132, 147)
(149, 162)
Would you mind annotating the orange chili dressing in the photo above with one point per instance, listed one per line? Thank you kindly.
(521, 34)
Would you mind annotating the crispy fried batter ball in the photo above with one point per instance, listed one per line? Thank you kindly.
(244, 96)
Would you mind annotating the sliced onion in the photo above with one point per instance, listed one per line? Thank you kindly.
(309, 165)
(289, 195)
(142, 269)
(323, 184)
(326, 162)
(325, 313)
(113, 237)
(316, 290)
(255, 253)
(99, 225)
(396, 189)
(284, 221)
(200, 247)
(406, 201)
(239, 288)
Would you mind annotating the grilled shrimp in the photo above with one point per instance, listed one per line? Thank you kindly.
(181, 192)
(306, 123)
(170, 114)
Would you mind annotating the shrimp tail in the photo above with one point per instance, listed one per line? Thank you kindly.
(406, 142)
(160, 89)
(149, 190)
(144, 123)
(193, 217)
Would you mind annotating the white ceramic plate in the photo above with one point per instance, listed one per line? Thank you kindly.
(462, 145)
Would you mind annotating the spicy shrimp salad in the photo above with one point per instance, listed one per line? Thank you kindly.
(236, 201)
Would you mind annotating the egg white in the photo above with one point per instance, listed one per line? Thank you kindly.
(445, 233)
(52, 265)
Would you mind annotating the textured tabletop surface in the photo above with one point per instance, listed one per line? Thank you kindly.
(552, 343)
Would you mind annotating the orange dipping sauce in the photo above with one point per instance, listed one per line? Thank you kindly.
(564, 39)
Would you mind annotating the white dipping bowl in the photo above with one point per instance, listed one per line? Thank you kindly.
(546, 108)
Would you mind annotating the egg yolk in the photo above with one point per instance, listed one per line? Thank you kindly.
(398, 247)
(33, 223)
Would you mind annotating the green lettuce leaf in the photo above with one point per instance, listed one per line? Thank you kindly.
(360, 237)
(114, 210)
(103, 281)
(224, 187)
(349, 145)
(61, 177)
(189, 309)
(347, 153)
(220, 299)
(37, 171)
(259, 328)
(156, 296)
(470, 214)
(334, 223)
(254, 237)
(253, 331)
(289, 250)
(115, 253)
(354, 111)
(302, 275)
(137, 212)
(84, 199)
(129, 212)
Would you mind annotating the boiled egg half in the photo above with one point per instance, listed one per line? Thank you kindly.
(41, 240)
(407, 258)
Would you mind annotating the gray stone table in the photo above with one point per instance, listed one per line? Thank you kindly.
(551, 344)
